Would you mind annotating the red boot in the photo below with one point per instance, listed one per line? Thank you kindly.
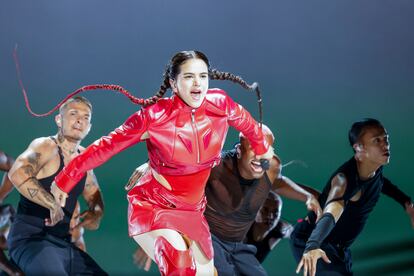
(173, 262)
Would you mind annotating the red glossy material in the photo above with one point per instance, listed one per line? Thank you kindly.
(181, 140)
(173, 262)
(152, 206)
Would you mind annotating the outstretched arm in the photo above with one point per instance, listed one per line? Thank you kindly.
(399, 196)
(128, 134)
(331, 213)
(284, 186)
(240, 119)
(287, 188)
(23, 176)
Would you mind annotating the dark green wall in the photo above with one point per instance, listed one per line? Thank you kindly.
(321, 65)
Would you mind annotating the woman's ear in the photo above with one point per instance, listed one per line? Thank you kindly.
(173, 85)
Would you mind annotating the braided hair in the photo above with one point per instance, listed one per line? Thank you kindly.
(171, 71)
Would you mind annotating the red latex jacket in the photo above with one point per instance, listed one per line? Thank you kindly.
(182, 140)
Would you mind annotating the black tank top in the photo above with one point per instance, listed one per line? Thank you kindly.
(232, 201)
(355, 214)
(35, 214)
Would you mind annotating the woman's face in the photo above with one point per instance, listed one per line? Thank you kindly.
(191, 84)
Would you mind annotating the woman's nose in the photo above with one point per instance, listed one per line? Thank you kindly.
(196, 81)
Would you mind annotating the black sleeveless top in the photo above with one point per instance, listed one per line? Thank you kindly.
(232, 201)
(355, 214)
(30, 216)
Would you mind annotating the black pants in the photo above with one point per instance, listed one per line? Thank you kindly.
(341, 261)
(236, 258)
(49, 255)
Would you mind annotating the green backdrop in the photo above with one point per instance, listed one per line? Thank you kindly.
(321, 65)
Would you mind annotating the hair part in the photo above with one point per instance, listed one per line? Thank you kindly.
(75, 99)
(358, 129)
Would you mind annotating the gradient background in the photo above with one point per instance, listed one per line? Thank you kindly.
(321, 65)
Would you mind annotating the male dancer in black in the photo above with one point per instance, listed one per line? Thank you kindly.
(236, 190)
(348, 198)
(39, 242)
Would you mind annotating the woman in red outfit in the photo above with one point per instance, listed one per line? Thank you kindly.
(184, 135)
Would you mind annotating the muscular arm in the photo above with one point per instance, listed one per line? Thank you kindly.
(284, 186)
(91, 218)
(338, 187)
(24, 171)
(6, 187)
(331, 213)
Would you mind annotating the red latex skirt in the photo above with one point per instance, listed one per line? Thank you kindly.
(152, 206)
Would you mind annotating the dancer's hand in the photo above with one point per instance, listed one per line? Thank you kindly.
(409, 209)
(59, 195)
(56, 215)
(141, 259)
(313, 205)
(89, 219)
(136, 175)
(309, 260)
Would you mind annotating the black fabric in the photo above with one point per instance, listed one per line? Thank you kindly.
(233, 202)
(349, 225)
(37, 214)
(49, 255)
(355, 214)
(395, 193)
(41, 250)
(321, 231)
(235, 258)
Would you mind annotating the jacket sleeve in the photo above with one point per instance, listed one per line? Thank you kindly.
(102, 150)
(240, 119)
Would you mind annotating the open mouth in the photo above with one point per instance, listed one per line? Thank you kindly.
(196, 95)
(387, 154)
(256, 166)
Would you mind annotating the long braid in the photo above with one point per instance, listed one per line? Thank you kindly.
(163, 88)
(218, 75)
(112, 87)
